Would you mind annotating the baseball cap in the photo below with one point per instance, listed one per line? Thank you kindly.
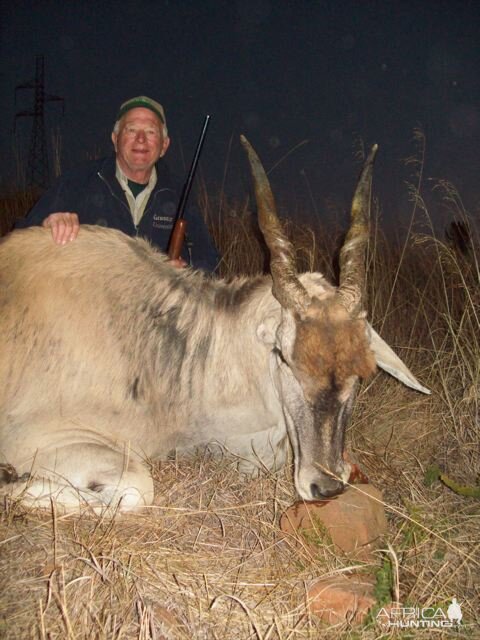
(146, 103)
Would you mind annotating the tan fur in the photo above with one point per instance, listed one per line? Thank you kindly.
(105, 347)
(331, 346)
(109, 356)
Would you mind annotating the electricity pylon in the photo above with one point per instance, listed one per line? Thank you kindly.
(37, 170)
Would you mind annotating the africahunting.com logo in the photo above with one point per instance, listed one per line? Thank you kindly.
(420, 617)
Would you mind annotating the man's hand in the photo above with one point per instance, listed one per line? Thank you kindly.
(64, 226)
(178, 263)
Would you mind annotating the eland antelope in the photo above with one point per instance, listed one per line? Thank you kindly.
(111, 358)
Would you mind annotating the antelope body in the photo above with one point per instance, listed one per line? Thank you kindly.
(111, 358)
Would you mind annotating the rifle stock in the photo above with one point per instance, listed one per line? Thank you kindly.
(176, 239)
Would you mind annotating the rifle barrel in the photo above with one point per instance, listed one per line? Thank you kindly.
(191, 174)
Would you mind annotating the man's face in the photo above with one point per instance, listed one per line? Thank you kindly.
(139, 143)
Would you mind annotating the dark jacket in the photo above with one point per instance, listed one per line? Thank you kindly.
(95, 194)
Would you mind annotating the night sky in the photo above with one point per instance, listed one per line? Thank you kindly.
(328, 72)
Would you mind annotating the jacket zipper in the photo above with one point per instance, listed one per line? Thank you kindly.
(119, 200)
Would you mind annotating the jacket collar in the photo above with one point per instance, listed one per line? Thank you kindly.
(108, 167)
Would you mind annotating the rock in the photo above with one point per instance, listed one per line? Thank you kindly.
(340, 599)
(354, 521)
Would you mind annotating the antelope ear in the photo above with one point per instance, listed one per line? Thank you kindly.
(391, 363)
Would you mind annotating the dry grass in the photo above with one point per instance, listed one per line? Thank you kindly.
(15, 204)
(208, 560)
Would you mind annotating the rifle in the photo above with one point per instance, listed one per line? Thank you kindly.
(178, 233)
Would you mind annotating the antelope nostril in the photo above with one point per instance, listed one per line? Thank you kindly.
(315, 491)
(333, 490)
